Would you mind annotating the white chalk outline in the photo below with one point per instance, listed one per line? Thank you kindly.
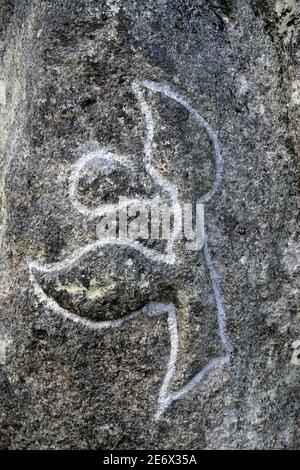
(103, 209)
(153, 308)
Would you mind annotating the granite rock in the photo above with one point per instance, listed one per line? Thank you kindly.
(119, 345)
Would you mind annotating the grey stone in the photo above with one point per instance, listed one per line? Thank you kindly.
(70, 76)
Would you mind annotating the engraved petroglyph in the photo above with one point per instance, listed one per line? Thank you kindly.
(2, 93)
(106, 162)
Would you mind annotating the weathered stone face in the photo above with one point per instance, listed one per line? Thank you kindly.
(146, 343)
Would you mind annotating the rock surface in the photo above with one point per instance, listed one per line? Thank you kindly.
(74, 77)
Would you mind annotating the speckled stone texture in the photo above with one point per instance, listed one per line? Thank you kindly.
(67, 69)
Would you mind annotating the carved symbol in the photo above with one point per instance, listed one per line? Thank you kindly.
(106, 159)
